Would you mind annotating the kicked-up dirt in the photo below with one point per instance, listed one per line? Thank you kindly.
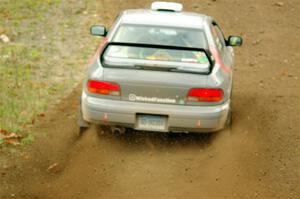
(259, 157)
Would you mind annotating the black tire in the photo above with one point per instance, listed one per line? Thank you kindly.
(82, 130)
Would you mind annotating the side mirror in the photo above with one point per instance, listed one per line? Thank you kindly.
(97, 30)
(234, 41)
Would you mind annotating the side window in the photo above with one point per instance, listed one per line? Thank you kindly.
(218, 36)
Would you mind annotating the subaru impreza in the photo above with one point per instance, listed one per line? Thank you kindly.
(160, 69)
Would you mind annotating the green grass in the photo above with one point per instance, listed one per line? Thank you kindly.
(14, 11)
(50, 45)
(21, 91)
(26, 88)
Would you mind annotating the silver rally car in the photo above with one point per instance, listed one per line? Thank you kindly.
(160, 69)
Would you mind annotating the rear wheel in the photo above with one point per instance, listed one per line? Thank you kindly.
(82, 130)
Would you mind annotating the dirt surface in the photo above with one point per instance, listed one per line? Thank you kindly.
(259, 157)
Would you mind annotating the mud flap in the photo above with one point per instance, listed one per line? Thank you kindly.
(228, 120)
(80, 121)
(227, 128)
(83, 125)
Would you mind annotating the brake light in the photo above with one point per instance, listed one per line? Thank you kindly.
(205, 95)
(103, 88)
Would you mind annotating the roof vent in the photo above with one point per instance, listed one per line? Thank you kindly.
(166, 6)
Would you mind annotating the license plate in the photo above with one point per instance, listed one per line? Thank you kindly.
(152, 122)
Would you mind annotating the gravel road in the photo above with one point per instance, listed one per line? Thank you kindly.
(259, 157)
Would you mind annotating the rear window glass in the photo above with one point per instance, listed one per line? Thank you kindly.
(161, 35)
(156, 57)
(156, 54)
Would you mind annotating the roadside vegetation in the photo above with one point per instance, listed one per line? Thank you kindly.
(42, 59)
(25, 90)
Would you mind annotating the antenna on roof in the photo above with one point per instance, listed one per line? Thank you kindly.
(166, 6)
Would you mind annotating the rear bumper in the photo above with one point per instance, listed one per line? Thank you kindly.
(180, 118)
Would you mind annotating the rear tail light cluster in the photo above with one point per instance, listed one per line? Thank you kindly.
(205, 95)
(103, 88)
(194, 94)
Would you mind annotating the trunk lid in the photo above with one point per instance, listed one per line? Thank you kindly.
(149, 86)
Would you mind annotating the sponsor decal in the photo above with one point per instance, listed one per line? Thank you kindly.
(133, 97)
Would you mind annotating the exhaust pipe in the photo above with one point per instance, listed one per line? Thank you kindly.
(118, 129)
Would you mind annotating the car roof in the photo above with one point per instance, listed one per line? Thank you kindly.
(164, 18)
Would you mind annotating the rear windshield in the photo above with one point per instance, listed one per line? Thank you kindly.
(161, 35)
(156, 54)
(156, 57)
